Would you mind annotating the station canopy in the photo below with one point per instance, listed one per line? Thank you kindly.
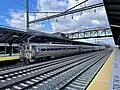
(12, 35)
(113, 12)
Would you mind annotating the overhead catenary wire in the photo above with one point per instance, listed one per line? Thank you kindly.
(88, 13)
(22, 4)
(75, 6)
(67, 13)
(11, 16)
(25, 8)
(61, 24)
(90, 16)
(38, 1)
(76, 21)
(35, 16)
(14, 18)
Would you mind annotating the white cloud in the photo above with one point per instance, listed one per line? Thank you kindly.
(18, 20)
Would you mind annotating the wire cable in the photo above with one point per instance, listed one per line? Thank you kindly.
(12, 17)
(88, 13)
(75, 6)
(21, 4)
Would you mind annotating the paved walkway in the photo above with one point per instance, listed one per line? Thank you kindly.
(108, 78)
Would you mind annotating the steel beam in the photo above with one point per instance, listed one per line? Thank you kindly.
(91, 37)
(90, 34)
(67, 13)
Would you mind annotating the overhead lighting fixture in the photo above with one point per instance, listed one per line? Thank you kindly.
(115, 26)
(15, 36)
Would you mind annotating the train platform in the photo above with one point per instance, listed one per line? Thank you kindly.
(108, 78)
(8, 60)
(6, 57)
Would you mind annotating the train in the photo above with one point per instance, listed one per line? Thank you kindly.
(33, 52)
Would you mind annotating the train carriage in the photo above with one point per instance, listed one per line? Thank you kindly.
(33, 51)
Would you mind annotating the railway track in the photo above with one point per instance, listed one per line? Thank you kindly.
(81, 80)
(25, 64)
(7, 67)
(51, 75)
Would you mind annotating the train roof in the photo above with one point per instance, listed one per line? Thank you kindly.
(50, 44)
(45, 44)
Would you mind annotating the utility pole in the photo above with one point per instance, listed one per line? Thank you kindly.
(27, 15)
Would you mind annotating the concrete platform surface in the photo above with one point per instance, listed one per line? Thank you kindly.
(108, 78)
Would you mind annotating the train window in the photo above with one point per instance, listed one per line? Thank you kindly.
(48, 49)
(15, 49)
(56, 48)
(52, 49)
(43, 49)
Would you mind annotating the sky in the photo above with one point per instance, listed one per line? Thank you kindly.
(12, 13)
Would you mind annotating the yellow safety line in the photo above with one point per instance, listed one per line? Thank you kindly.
(9, 58)
(102, 79)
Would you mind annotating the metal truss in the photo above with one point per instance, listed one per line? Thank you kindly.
(90, 34)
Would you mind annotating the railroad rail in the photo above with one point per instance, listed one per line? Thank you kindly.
(22, 64)
(16, 65)
(52, 75)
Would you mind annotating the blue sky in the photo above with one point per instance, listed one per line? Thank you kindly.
(6, 6)
(14, 5)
